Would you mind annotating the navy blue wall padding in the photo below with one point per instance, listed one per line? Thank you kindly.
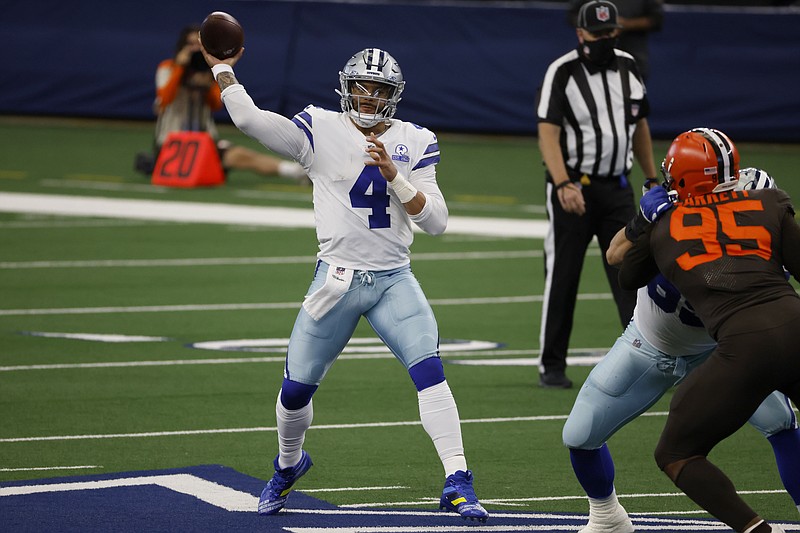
(470, 66)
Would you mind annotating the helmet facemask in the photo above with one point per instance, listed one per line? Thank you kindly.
(375, 66)
(752, 179)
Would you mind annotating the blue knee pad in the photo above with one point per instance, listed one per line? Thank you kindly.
(296, 395)
(427, 373)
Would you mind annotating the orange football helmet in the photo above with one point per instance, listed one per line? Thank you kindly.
(698, 160)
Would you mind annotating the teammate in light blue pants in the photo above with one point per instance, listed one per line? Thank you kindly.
(626, 383)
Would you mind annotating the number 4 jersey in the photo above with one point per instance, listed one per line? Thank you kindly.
(725, 252)
(360, 222)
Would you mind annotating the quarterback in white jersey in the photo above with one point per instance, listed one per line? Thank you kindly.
(373, 177)
(664, 341)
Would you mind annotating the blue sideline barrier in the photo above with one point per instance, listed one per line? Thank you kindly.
(471, 67)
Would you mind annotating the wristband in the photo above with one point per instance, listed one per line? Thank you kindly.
(563, 184)
(635, 227)
(219, 68)
(403, 189)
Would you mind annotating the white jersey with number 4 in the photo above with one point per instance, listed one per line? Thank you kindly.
(360, 222)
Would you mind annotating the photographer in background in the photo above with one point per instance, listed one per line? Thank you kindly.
(186, 98)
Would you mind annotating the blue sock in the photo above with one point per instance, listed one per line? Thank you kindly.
(786, 447)
(594, 470)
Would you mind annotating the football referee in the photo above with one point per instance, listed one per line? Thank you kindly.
(591, 110)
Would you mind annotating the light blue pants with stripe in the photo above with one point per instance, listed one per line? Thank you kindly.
(629, 380)
(393, 303)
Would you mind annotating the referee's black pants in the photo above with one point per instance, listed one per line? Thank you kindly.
(609, 206)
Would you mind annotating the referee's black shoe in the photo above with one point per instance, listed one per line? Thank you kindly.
(555, 379)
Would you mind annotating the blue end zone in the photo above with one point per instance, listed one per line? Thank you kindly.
(93, 506)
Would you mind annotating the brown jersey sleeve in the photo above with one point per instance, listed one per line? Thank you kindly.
(790, 234)
(790, 244)
(638, 266)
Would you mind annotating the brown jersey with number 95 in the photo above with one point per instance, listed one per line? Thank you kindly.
(724, 251)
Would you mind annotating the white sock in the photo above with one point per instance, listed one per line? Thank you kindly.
(290, 169)
(292, 426)
(608, 511)
(439, 415)
(604, 505)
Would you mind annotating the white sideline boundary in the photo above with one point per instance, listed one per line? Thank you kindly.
(248, 215)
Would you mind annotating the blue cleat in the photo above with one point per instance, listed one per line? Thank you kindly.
(459, 497)
(275, 494)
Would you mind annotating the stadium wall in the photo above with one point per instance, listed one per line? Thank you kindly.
(470, 66)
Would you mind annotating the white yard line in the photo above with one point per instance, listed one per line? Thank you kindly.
(48, 468)
(350, 489)
(287, 260)
(194, 432)
(102, 186)
(571, 361)
(210, 213)
(502, 300)
(77, 222)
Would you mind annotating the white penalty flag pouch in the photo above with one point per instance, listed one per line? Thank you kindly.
(337, 282)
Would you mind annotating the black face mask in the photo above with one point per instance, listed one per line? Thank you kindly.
(599, 52)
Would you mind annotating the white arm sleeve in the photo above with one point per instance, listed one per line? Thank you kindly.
(274, 131)
(433, 217)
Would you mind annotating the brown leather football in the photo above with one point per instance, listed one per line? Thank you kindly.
(222, 35)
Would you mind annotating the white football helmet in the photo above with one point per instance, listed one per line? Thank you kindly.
(754, 178)
(375, 65)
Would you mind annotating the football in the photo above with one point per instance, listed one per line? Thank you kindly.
(222, 35)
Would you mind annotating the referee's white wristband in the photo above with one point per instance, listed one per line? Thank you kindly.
(403, 189)
(219, 68)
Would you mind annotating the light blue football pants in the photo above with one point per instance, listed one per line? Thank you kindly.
(393, 303)
(629, 380)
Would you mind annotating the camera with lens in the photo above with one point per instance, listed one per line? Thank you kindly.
(197, 62)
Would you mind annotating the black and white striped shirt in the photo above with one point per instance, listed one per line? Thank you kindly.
(597, 109)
